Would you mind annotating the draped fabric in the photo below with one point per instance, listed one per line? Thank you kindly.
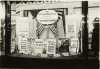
(60, 28)
(48, 29)
(33, 28)
(55, 30)
(40, 29)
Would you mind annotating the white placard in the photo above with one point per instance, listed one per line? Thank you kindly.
(38, 45)
(22, 45)
(74, 48)
(51, 49)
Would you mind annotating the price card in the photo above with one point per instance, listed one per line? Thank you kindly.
(23, 44)
(37, 46)
(51, 48)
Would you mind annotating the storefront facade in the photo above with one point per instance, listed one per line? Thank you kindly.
(50, 34)
(47, 28)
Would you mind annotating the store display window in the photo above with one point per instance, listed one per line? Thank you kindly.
(45, 32)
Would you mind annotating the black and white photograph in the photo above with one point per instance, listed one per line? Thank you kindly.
(49, 34)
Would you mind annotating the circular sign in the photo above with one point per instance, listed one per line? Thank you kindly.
(47, 16)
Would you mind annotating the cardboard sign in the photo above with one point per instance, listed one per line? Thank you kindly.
(47, 16)
(38, 46)
(51, 49)
(74, 48)
(23, 43)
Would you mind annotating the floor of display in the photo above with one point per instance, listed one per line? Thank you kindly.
(54, 57)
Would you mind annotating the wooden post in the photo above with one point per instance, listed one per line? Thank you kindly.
(85, 28)
(7, 27)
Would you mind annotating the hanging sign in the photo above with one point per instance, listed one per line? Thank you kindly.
(47, 16)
